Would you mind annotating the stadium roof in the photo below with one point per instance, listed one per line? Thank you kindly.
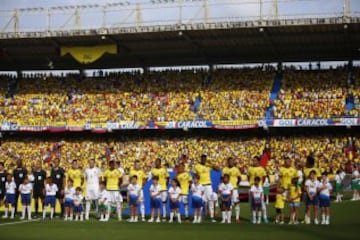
(324, 39)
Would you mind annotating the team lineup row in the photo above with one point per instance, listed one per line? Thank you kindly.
(103, 188)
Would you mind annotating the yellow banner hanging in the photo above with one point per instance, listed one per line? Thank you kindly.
(86, 55)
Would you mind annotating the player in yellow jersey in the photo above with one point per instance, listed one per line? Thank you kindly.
(235, 178)
(258, 171)
(204, 171)
(113, 179)
(75, 174)
(184, 179)
(141, 180)
(286, 174)
(163, 175)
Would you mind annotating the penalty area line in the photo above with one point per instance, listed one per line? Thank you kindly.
(19, 222)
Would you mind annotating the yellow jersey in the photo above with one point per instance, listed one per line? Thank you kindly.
(287, 174)
(112, 179)
(163, 175)
(204, 173)
(256, 172)
(295, 193)
(308, 170)
(280, 201)
(75, 175)
(184, 179)
(140, 176)
(234, 174)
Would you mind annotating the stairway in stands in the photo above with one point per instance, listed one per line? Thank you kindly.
(274, 95)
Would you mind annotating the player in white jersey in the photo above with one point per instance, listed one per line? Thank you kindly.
(324, 190)
(50, 197)
(69, 200)
(257, 193)
(198, 192)
(338, 185)
(10, 188)
(155, 199)
(25, 190)
(92, 176)
(312, 200)
(355, 183)
(133, 192)
(225, 191)
(174, 194)
(104, 203)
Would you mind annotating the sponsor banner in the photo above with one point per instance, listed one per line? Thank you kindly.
(98, 130)
(75, 129)
(130, 125)
(112, 125)
(235, 127)
(32, 129)
(284, 123)
(194, 124)
(313, 122)
(346, 122)
(166, 125)
(57, 129)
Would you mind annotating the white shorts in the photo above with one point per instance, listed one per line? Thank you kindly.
(115, 197)
(164, 196)
(208, 196)
(184, 199)
(92, 193)
(235, 196)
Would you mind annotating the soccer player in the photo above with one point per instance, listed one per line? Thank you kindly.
(78, 208)
(58, 178)
(163, 175)
(256, 192)
(311, 187)
(2, 183)
(324, 190)
(25, 190)
(104, 203)
(92, 176)
(266, 188)
(226, 192)
(286, 174)
(51, 189)
(355, 181)
(258, 171)
(294, 198)
(198, 192)
(75, 174)
(280, 205)
(19, 175)
(174, 193)
(10, 188)
(155, 200)
(133, 192)
(69, 200)
(338, 185)
(184, 179)
(141, 180)
(39, 186)
(113, 179)
(235, 179)
(204, 172)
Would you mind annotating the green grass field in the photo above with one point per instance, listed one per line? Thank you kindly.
(345, 223)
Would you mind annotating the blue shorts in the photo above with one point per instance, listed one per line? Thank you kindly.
(25, 199)
(313, 202)
(174, 205)
(10, 199)
(294, 204)
(133, 200)
(78, 209)
(50, 200)
(324, 201)
(256, 204)
(226, 203)
(197, 202)
(155, 203)
(69, 203)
